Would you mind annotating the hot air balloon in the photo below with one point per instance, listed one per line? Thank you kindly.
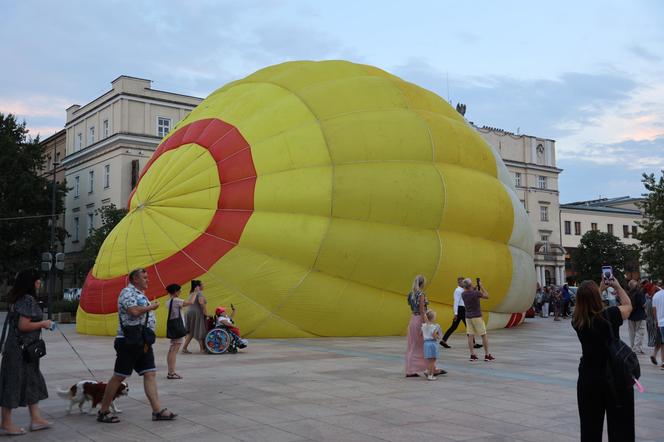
(310, 194)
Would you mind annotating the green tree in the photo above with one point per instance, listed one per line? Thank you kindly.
(597, 249)
(652, 226)
(110, 217)
(25, 199)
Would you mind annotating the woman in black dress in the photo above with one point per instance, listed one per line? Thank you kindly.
(21, 382)
(595, 395)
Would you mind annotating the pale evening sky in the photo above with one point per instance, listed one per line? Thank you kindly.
(588, 74)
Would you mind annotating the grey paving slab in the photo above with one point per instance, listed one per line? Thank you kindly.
(350, 389)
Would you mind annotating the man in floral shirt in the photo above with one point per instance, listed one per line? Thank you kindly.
(133, 308)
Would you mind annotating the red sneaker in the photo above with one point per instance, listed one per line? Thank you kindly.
(474, 358)
(489, 358)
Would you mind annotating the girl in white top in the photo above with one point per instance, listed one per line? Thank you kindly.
(431, 333)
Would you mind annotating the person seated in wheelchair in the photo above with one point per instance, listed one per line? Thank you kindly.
(221, 319)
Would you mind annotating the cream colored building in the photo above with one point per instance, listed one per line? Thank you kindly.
(109, 140)
(532, 163)
(54, 151)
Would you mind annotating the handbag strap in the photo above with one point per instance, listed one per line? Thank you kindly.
(4, 333)
(608, 320)
(147, 313)
(170, 307)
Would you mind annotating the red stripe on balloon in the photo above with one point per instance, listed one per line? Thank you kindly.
(237, 176)
(515, 320)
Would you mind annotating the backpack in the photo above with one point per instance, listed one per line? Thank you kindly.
(623, 365)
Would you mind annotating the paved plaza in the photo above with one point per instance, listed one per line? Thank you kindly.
(346, 390)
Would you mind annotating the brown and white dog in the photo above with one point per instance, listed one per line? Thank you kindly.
(93, 392)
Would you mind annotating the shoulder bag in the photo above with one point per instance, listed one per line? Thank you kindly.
(138, 335)
(622, 368)
(175, 328)
(33, 351)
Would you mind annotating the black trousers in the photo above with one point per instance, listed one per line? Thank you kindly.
(461, 316)
(594, 400)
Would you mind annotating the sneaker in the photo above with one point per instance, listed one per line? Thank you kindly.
(444, 344)
(431, 377)
(477, 345)
(489, 358)
(473, 358)
(440, 372)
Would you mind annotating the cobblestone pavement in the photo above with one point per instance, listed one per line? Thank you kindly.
(346, 390)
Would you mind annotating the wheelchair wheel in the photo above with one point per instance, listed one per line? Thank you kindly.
(217, 341)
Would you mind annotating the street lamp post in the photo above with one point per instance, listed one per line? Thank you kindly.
(51, 284)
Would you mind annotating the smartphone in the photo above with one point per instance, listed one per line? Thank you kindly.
(478, 283)
(607, 273)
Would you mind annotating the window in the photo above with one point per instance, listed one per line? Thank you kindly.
(134, 173)
(609, 229)
(541, 182)
(163, 126)
(544, 237)
(106, 129)
(517, 179)
(48, 162)
(107, 176)
(78, 142)
(593, 227)
(577, 228)
(634, 231)
(91, 220)
(77, 186)
(91, 180)
(625, 231)
(91, 135)
(544, 213)
(76, 228)
(568, 227)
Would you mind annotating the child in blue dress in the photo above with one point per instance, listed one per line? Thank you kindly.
(431, 333)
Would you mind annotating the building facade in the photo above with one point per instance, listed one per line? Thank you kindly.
(617, 216)
(108, 141)
(55, 149)
(532, 163)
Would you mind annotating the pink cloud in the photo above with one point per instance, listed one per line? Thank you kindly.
(36, 106)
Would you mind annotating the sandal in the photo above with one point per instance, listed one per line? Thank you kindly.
(19, 432)
(160, 416)
(107, 418)
(173, 376)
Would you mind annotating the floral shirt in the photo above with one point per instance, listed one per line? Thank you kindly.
(130, 296)
(414, 302)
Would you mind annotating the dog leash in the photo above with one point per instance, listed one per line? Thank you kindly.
(79, 356)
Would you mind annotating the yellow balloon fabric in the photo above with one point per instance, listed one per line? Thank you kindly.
(360, 182)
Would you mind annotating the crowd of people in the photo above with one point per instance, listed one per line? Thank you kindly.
(423, 333)
(595, 318)
(22, 383)
(597, 313)
(553, 300)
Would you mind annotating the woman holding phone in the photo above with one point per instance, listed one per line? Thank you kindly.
(595, 395)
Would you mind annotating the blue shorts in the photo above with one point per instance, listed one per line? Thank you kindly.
(430, 349)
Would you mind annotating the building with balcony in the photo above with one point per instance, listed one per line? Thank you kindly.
(532, 163)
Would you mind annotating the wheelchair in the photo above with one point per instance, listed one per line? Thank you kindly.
(219, 340)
